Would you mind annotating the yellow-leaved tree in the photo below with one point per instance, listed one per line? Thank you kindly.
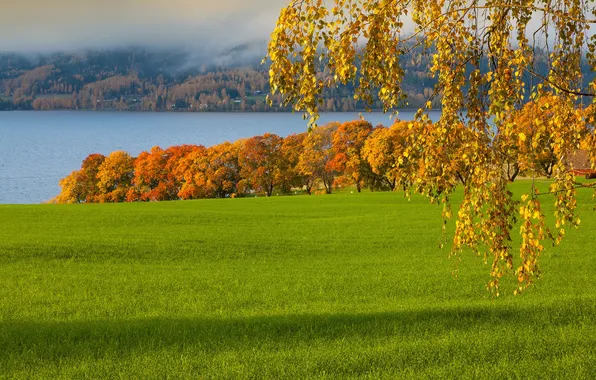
(489, 58)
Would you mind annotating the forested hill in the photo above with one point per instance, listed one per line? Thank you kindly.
(138, 79)
(169, 80)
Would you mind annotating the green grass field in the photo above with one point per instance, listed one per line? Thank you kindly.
(340, 286)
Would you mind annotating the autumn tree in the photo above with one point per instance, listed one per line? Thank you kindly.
(209, 172)
(224, 169)
(484, 58)
(262, 161)
(315, 161)
(348, 141)
(71, 189)
(172, 181)
(533, 127)
(114, 177)
(191, 170)
(149, 172)
(393, 154)
(81, 185)
(89, 169)
(291, 176)
(383, 150)
(154, 175)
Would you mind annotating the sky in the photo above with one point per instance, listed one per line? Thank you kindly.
(58, 25)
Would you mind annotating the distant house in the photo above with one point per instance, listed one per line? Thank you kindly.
(580, 162)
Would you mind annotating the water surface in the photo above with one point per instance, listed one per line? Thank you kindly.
(39, 148)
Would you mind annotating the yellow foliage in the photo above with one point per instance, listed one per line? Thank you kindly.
(486, 136)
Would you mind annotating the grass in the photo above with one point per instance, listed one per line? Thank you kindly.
(340, 286)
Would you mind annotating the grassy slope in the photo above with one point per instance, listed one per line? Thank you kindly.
(348, 285)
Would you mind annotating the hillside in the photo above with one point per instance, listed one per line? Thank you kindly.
(168, 80)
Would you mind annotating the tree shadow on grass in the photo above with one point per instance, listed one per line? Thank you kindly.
(54, 342)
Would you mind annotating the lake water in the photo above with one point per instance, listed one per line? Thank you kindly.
(39, 148)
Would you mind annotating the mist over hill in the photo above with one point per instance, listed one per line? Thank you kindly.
(67, 25)
(164, 79)
(225, 78)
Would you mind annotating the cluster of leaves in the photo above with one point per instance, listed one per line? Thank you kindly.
(487, 135)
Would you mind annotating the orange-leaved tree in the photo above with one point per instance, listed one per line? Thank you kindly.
(383, 150)
(262, 161)
(533, 150)
(224, 169)
(154, 175)
(209, 172)
(190, 170)
(315, 161)
(81, 185)
(174, 154)
(348, 141)
(89, 169)
(291, 176)
(149, 175)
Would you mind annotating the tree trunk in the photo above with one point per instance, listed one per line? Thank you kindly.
(460, 177)
(515, 174)
(512, 168)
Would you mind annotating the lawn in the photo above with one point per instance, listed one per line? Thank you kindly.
(341, 286)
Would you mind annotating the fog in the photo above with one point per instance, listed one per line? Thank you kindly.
(40, 26)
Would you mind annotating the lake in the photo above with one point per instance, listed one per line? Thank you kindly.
(37, 149)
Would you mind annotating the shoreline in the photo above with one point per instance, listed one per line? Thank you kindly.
(221, 111)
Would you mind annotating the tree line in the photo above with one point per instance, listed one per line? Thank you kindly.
(329, 157)
(132, 80)
(237, 90)
(138, 80)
